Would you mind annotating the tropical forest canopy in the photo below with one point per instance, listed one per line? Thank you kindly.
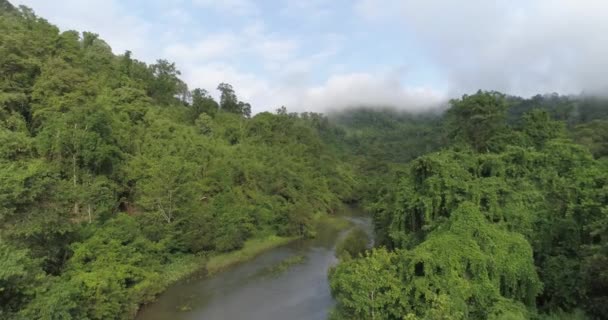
(113, 173)
(506, 218)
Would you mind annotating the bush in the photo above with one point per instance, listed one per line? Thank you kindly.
(354, 244)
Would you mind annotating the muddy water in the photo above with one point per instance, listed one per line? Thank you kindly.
(257, 289)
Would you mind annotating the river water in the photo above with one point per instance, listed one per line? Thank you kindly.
(249, 291)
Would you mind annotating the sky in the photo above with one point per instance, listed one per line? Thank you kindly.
(317, 55)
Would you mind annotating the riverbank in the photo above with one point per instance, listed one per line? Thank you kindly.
(286, 282)
(250, 250)
(188, 265)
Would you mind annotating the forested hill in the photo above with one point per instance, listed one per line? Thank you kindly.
(112, 172)
(116, 179)
(506, 218)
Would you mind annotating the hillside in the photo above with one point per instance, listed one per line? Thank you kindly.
(117, 179)
(112, 172)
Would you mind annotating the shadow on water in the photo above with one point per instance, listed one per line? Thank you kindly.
(288, 282)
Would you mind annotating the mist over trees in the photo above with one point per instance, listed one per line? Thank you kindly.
(503, 220)
(113, 174)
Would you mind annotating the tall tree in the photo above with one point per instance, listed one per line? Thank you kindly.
(478, 118)
(166, 87)
(202, 102)
(228, 100)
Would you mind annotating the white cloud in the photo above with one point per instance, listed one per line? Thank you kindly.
(275, 49)
(253, 40)
(310, 9)
(339, 91)
(291, 69)
(522, 47)
(366, 89)
(237, 7)
(248, 86)
(212, 47)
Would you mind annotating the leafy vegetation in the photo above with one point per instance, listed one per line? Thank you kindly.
(251, 248)
(116, 179)
(354, 243)
(114, 175)
(505, 221)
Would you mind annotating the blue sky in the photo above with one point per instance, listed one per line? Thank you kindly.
(321, 54)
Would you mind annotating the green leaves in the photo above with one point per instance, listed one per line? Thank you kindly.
(368, 288)
(19, 276)
(464, 267)
(477, 119)
(86, 135)
(230, 103)
(354, 244)
(499, 223)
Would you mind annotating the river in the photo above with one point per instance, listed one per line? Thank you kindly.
(255, 291)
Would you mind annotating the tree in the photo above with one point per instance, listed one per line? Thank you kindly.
(165, 86)
(469, 264)
(19, 277)
(6, 6)
(228, 100)
(354, 244)
(594, 135)
(478, 118)
(230, 103)
(539, 127)
(112, 173)
(202, 102)
(68, 46)
(367, 288)
(245, 109)
(165, 186)
(59, 88)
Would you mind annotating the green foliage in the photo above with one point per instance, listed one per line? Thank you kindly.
(202, 102)
(506, 221)
(383, 135)
(367, 288)
(111, 169)
(540, 128)
(477, 119)
(230, 103)
(354, 244)
(108, 275)
(19, 276)
(164, 84)
(473, 262)
(594, 135)
(465, 267)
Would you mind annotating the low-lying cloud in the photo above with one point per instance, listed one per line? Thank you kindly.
(364, 89)
(520, 47)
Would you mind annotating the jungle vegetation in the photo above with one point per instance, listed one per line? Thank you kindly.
(505, 218)
(113, 173)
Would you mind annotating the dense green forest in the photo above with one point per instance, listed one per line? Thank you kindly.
(506, 218)
(114, 175)
(112, 171)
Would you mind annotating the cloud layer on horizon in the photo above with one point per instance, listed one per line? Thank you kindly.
(319, 54)
(521, 47)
